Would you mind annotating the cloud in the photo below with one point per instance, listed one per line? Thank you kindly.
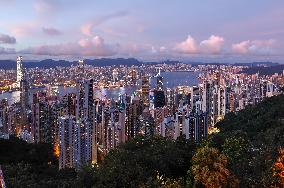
(97, 47)
(254, 47)
(163, 49)
(87, 29)
(241, 48)
(213, 45)
(6, 39)
(187, 47)
(51, 31)
(85, 47)
(7, 50)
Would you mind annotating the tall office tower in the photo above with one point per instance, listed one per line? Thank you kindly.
(170, 100)
(24, 99)
(147, 122)
(207, 97)
(19, 70)
(168, 127)
(12, 119)
(4, 109)
(41, 128)
(232, 102)
(133, 110)
(81, 69)
(195, 96)
(159, 114)
(222, 101)
(145, 90)
(102, 127)
(179, 123)
(160, 84)
(66, 141)
(85, 101)
(121, 121)
(151, 100)
(114, 75)
(133, 76)
(159, 98)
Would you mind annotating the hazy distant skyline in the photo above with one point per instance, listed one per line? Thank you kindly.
(208, 30)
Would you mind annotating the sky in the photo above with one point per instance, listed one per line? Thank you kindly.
(188, 30)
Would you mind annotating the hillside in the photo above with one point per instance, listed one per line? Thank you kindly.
(257, 132)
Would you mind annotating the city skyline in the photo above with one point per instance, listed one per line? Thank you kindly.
(199, 31)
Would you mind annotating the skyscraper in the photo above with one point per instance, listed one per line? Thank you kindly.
(66, 141)
(19, 70)
(85, 150)
(40, 126)
(160, 83)
(84, 101)
(145, 90)
(159, 93)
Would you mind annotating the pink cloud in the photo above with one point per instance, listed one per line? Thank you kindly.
(86, 47)
(254, 47)
(188, 46)
(213, 45)
(241, 48)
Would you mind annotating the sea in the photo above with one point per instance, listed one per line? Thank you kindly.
(170, 79)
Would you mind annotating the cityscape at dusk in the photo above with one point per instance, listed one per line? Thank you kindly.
(141, 93)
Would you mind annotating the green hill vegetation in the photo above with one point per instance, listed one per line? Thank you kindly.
(247, 152)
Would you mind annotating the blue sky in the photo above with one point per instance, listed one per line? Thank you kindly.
(211, 30)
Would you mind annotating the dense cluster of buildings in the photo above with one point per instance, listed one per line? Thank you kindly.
(83, 128)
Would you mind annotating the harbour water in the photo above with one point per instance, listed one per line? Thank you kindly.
(171, 80)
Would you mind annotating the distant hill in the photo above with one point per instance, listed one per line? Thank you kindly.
(49, 63)
(257, 64)
(110, 62)
(270, 70)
